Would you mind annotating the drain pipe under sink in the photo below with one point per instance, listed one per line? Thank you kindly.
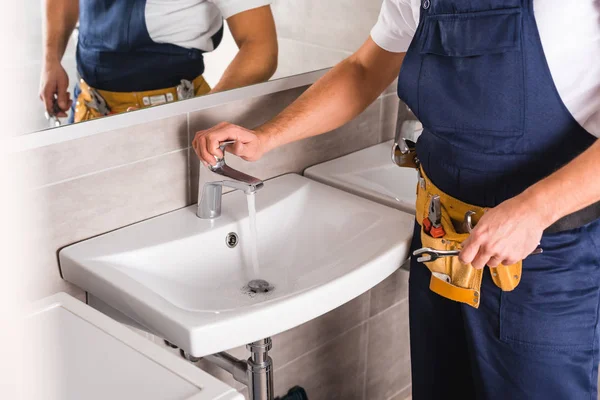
(237, 368)
(256, 373)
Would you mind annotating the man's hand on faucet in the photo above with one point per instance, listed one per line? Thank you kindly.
(248, 144)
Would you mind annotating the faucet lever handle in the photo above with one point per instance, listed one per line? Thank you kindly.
(221, 161)
(226, 143)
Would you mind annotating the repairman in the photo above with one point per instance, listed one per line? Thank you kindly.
(508, 92)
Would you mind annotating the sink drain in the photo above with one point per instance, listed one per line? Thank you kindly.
(259, 286)
(231, 240)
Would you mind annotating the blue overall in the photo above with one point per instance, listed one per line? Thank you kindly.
(476, 77)
(115, 51)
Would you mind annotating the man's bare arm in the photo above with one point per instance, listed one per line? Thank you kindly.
(571, 188)
(60, 19)
(256, 61)
(340, 95)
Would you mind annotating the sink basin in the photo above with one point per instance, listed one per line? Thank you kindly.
(175, 274)
(370, 173)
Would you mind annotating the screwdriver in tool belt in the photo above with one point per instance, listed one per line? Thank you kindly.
(432, 224)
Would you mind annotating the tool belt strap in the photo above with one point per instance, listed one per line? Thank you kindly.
(576, 219)
(438, 284)
(450, 278)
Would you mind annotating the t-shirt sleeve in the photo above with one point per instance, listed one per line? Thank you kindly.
(396, 25)
(231, 7)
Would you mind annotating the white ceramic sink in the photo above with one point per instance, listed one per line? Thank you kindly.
(370, 173)
(318, 247)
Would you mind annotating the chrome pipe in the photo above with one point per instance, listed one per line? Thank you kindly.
(237, 368)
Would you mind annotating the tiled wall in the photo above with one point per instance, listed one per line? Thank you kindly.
(315, 34)
(334, 24)
(92, 185)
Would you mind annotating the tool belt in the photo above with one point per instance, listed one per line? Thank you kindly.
(449, 277)
(95, 103)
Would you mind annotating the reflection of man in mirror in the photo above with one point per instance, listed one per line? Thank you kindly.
(137, 54)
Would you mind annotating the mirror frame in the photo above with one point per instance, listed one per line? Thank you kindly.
(65, 133)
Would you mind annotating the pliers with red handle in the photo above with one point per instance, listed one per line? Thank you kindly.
(432, 224)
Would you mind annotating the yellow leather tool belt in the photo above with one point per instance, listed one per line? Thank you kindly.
(449, 277)
(87, 107)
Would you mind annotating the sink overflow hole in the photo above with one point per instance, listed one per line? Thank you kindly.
(259, 286)
(232, 240)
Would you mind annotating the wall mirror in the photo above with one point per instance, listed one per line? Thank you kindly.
(91, 59)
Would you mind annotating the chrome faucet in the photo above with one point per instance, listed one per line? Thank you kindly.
(210, 194)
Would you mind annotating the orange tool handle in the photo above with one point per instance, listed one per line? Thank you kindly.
(437, 232)
(427, 225)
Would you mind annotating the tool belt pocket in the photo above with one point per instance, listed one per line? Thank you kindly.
(450, 278)
(83, 112)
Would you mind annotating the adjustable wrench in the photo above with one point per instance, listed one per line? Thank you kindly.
(428, 254)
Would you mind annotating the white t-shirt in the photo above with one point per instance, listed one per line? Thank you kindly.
(570, 34)
(192, 23)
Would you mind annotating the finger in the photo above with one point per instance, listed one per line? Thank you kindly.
(48, 98)
(494, 261)
(469, 250)
(212, 144)
(205, 133)
(205, 155)
(213, 141)
(63, 114)
(196, 147)
(63, 95)
(226, 132)
(482, 259)
(230, 147)
(509, 261)
(239, 149)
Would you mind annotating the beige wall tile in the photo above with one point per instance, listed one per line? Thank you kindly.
(337, 24)
(333, 371)
(389, 292)
(390, 107)
(81, 208)
(297, 57)
(94, 153)
(392, 88)
(292, 344)
(388, 365)
(194, 166)
(389, 116)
